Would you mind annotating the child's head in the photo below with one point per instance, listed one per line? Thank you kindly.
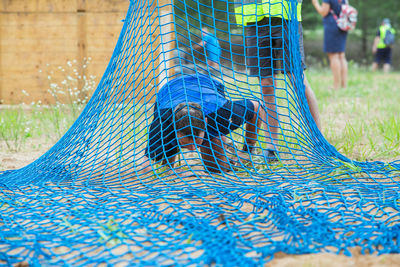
(386, 21)
(190, 124)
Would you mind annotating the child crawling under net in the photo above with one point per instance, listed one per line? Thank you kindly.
(192, 112)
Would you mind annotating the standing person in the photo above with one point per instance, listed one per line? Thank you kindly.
(211, 46)
(334, 40)
(266, 29)
(381, 48)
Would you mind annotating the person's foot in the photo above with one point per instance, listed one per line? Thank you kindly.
(270, 155)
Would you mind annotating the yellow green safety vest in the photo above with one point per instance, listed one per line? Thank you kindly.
(250, 11)
(382, 30)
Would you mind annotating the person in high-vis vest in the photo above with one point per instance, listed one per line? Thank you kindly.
(381, 48)
(266, 25)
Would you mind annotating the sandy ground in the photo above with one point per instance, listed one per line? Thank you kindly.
(330, 260)
(10, 160)
(14, 160)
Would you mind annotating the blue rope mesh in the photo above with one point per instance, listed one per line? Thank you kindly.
(90, 200)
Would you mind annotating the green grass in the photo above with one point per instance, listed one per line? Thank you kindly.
(19, 125)
(363, 120)
(14, 128)
(70, 93)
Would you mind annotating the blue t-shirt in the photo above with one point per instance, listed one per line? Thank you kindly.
(196, 88)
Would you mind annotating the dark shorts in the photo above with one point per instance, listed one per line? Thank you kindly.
(268, 49)
(383, 55)
(162, 142)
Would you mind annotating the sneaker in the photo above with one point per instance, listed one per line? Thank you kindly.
(270, 155)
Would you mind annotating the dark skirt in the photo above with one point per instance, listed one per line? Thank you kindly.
(334, 38)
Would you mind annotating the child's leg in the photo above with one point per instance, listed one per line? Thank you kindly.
(252, 126)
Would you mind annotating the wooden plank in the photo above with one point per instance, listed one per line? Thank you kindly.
(107, 6)
(31, 6)
(1, 60)
(36, 33)
(30, 47)
(155, 65)
(82, 41)
(34, 40)
(63, 6)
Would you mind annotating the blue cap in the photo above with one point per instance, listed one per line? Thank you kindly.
(386, 21)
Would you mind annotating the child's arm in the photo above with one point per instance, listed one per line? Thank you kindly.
(213, 155)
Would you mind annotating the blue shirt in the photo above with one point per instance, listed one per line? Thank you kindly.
(196, 88)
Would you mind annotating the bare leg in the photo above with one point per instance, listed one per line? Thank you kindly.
(374, 66)
(311, 100)
(254, 124)
(386, 68)
(312, 103)
(343, 70)
(268, 91)
(334, 63)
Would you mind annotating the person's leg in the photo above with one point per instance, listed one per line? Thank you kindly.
(312, 103)
(387, 59)
(386, 68)
(374, 66)
(270, 116)
(334, 63)
(254, 124)
(311, 100)
(378, 59)
(343, 70)
(310, 96)
(259, 60)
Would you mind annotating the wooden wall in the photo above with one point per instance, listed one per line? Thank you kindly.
(34, 33)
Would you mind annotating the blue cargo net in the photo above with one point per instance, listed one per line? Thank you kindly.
(198, 147)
